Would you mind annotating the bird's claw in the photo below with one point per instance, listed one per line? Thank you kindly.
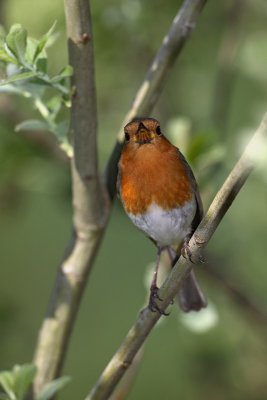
(152, 305)
(186, 252)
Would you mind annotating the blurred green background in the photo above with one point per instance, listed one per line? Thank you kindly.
(214, 98)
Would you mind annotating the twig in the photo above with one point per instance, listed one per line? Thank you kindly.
(89, 208)
(73, 273)
(147, 319)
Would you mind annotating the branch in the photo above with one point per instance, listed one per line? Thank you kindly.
(147, 319)
(89, 215)
(88, 221)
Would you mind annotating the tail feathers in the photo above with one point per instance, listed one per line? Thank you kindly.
(190, 296)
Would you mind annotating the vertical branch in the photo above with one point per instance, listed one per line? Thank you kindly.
(89, 209)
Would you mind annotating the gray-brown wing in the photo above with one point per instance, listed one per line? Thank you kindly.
(199, 211)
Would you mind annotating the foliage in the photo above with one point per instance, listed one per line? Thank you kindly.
(16, 383)
(24, 63)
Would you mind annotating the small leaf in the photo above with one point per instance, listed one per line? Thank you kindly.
(65, 73)
(41, 64)
(31, 49)
(23, 378)
(18, 77)
(5, 57)
(54, 105)
(32, 125)
(16, 41)
(52, 388)
(11, 89)
(7, 383)
(44, 41)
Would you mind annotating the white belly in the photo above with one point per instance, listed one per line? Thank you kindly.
(166, 227)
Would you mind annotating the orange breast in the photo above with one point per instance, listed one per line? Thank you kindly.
(153, 173)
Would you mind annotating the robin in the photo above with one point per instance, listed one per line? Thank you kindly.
(160, 195)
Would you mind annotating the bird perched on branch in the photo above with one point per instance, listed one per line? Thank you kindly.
(160, 195)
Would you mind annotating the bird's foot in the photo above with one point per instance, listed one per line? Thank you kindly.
(152, 305)
(185, 250)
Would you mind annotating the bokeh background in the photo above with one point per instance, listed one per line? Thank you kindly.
(214, 99)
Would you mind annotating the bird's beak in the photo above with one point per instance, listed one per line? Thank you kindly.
(143, 135)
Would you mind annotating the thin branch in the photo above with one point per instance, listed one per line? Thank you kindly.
(150, 90)
(89, 226)
(147, 319)
(89, 209)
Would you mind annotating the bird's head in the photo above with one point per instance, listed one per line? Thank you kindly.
(142, 131)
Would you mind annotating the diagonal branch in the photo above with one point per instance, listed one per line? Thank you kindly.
(89, 207)
(147, 319)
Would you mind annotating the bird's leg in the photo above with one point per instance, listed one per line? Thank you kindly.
(154, 288)
(173, 255)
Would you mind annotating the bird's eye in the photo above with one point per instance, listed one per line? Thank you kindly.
(158, 131)
(127, 137)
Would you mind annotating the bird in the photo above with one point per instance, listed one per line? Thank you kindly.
(160, 195)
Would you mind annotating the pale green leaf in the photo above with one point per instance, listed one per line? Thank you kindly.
(16, 41)
(54, 105)
(11, 89)
(32, 125)
(52, 388)
(5, 57)
(41, 64)
(7, 383)
(18, 77)
(43, 42)
(31, 47)
(65, 73)
(23, 378)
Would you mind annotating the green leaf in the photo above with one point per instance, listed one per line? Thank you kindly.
(16, 41)
(41, 64)
(43, 42)
(23, 378)
(32, 125)
(65, 73)
(11, 89)
(31, 49)
(7, 383)
(52, 388)
(18, 77)
(54, 105)
(5, 57)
